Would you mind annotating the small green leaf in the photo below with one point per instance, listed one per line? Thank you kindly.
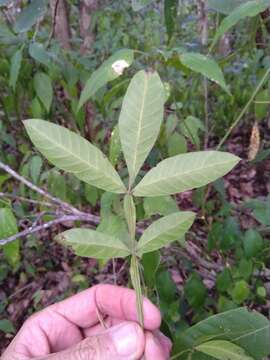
(253, 243)
(8, 227)
(30, 15)
(91, 194)
(90, 243)
(223, 350)
(140, 119)
(15, 67)
(247, 9)
(150, 262)
(190, 127)
(6, 326)
(38, 53)
(240, 292)
(195, 291)
(176, 145)
(205, 66)
(224, 280)
(164, 231)
(35, 168)
(44, 90)
(36, 108)
(185, 172)
(70, 152)
(110, 70)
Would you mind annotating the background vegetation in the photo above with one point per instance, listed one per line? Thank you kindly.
(48, 51)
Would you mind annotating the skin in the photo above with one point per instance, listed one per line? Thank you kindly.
(72, 330)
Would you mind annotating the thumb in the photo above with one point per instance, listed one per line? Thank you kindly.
(124, 341)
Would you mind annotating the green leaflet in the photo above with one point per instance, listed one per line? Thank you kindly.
(140, 119)
(16, 62)
(8, 227)
(205, 66)
(164, 231)
(44, 89)
(248, 9)
(184, 172)
(70, 152)
(223, 350)
(106, 73)
(90, 243)
(249, 330)
(30, 15)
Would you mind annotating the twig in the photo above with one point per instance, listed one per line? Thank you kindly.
(42, 192)
(235, 123)
(35, 229)
(30, 201)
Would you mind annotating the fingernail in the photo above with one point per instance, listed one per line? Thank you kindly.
(125, 339)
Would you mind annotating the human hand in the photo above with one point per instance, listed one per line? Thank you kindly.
(71, 329)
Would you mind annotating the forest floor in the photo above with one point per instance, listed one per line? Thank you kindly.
(49, 272)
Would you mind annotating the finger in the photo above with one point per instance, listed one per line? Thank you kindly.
(113, 301)
(165, 341)
(122, 342)
(154, 349)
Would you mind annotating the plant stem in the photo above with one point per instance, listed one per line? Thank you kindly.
(136, 283)
(130, 214)
(242, 113)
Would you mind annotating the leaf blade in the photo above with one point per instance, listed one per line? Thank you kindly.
(90, 243)
(185, 172)
(44, 89)
(222, 350)
(205, 66)
(164, 231)
(70, 152)
(139, 124)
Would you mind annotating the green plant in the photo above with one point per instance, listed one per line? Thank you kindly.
(139, 126)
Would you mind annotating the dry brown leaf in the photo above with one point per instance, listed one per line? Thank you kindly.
(254, 143)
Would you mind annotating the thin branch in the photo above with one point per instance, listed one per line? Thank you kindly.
(245, 109)
(42, 192)
(23, 199)
(35, 229)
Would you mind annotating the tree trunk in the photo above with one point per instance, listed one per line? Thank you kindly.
(61, 29)
(87, 7)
